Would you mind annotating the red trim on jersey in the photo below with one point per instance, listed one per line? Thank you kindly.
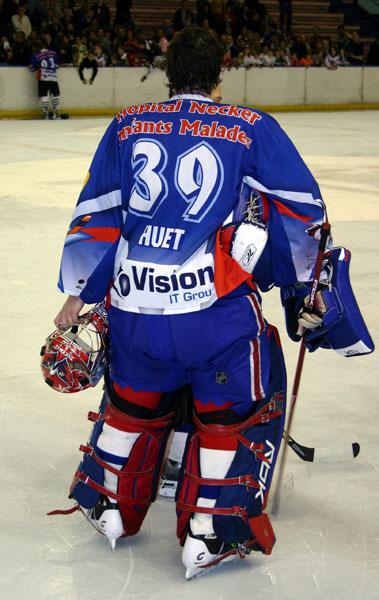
(228, 273)
(256, 370)
(258, 312)
(251, 284)
(102, 234)
(140, 398)
(265, 207)
(209, 406)
(284, 210)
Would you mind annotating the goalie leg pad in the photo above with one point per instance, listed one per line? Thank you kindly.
(238, 512)
(87, 496)
(138, 477)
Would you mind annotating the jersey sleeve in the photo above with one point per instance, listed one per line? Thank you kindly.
(34, 64)
(91, 242)
(290, 201)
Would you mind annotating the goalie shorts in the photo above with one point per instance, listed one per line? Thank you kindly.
(46, 87)
(222, 352)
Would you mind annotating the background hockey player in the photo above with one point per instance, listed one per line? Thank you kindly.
(185, 200)
(45, 64)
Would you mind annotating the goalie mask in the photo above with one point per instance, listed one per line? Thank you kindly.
(75, 359)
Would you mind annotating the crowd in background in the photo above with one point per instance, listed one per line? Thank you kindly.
(85, 35)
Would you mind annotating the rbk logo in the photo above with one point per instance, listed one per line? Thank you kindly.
(264, 471)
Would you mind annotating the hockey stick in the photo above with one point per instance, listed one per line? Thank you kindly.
(323, 455)
(325, 231)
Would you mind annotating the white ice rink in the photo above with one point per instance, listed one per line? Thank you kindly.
(327, 531)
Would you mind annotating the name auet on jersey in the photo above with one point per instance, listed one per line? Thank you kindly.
(156, 236)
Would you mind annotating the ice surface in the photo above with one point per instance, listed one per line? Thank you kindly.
(327, 529)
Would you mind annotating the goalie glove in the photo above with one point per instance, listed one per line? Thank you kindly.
(335, 322)
(245, 243)
(311, 318)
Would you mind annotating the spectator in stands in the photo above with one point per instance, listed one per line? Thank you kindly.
(131, 48)
(21, 52)
(79, 19)
(65, 52)
(247, 59)
(99, 56)
(343, 37)
(294, 60)
(326, 45)
(282, 58)
(79, 50)
(230, 20)
(354, 50)
(183, 16)
(168, 29)
(315, 38)
(48, 42)
(318, 55)
(300, 47)
(162, 44)
(5, 50)
(227, 61)
(88, 62)
(101, 14)
(285, 16)
(307, 60)
(21, 22)
(373, 54)
(333, 59)
(123, 15)
(217, 7)
(267, 57)
(202, 10)
(119, 58)
(67, 18)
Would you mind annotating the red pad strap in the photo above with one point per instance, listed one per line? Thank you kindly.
(61, 511)
(257, 449)
(118, 472)
(118, 497)
(94, 417)
(123, 422)
(269, 411)
(234, 511)
(263, 532)
(240, 480)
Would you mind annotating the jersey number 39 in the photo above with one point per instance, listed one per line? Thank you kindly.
(198, 178)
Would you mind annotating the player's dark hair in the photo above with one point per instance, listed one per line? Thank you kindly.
(194, 59)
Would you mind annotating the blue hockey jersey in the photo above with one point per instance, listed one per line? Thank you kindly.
(46, 62)
(166, 176)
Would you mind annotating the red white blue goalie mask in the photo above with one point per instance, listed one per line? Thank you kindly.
(75, 359)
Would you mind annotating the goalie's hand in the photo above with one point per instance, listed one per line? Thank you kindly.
(69, 313)
(311, 318)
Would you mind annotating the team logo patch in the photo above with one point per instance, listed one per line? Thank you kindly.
(221, 378)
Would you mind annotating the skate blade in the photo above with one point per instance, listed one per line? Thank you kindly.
(197, 571)
(111, 541)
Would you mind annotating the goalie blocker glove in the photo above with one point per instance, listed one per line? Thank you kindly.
(341, 326)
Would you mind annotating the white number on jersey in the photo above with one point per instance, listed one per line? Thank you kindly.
(198, 178)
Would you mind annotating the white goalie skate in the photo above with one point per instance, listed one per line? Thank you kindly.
(201, 553)
(105, 518)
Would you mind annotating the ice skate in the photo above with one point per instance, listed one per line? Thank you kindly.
(106, 518)
(169, 479)
(201, 553)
